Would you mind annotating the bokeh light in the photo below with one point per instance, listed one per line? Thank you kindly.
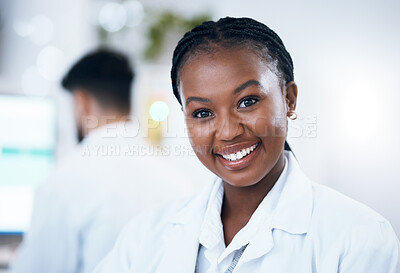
(112, 17)
(22, 28)
(50, 63)
(42, 30)
(135, 12)
(32, 83)
(159, 111)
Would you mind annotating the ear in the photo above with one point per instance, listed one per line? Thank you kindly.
(291, 95)
(82, 103)
(86, 117)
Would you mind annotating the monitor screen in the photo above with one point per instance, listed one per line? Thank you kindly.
(27, 144)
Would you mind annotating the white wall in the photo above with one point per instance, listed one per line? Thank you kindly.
(346, 56)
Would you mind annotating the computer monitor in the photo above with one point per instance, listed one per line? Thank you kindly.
(27, 144)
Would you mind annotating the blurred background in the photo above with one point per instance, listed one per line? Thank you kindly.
(346, 56)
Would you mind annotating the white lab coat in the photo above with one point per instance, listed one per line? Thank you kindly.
(90, 196)
(313, 229)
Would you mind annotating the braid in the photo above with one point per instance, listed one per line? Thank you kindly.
(230, 32)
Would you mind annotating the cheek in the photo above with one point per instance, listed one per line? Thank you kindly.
(270, 127)
(269, 122)
(200, 136)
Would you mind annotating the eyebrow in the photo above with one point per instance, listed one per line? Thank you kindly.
(245, 85)
(237, 90)
(190, 99)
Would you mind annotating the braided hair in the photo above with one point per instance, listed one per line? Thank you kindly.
(231, 32)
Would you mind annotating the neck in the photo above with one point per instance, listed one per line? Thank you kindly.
(106, 118)
(240, 203)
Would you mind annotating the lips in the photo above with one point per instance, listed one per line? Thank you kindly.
(240, 154)
(237, 156)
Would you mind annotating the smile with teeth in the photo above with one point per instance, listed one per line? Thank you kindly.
(240, 154)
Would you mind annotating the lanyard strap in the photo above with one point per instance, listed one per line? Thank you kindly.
(236, 259)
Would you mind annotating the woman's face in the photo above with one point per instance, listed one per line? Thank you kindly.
(235, 111)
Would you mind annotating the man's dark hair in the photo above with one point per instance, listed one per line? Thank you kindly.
(105, 74)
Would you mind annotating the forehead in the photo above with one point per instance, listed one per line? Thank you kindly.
(208, 73)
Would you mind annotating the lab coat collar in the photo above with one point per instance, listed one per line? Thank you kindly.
(181, 240)
(211, 235)
(199, 203)
(294, 209)
(111, 131)
(292, 213)
(211, 232)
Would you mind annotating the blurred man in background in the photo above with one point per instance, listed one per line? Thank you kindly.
(91, 194)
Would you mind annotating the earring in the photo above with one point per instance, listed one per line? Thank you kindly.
(292, 115)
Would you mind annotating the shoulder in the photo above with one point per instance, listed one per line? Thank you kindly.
(153, 223)
(356, 229)
(320, 209)
(330, 210)
(157, 219)
(356, 236)
(67, 185)
(140, 241)
(335, 207)
(143, 236)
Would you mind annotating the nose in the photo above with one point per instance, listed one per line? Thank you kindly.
(228, 127)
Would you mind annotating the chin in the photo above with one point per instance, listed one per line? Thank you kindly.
(242, 180)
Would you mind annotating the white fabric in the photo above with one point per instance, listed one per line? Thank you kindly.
(213, 255)
(312, 229)
(89, 197)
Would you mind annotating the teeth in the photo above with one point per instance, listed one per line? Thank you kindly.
(240, 154)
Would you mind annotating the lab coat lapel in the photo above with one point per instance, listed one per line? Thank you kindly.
(181, 248)
(294, 210)
(181, 242)
(292, 213)
(261, 245)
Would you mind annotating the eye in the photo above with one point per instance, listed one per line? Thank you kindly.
(246, 102)
(202, 113)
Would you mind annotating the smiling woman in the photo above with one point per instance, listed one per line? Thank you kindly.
(241, 107)
(234, 80)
